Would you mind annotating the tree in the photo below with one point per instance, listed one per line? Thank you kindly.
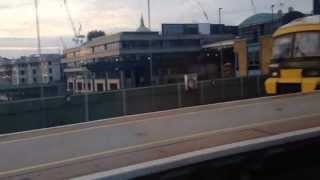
(94, 34)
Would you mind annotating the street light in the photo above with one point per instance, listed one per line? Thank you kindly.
(85, 74)
(221, 62)
(150, 60)
(220, 9)
(272, 12)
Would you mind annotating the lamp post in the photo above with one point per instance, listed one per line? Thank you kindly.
(149, 15)
(150, 60)
(86, 98)
(272, 12)
(220, 21)
(221, 62)
(43, 74)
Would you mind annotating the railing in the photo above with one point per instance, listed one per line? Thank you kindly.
(57, 111)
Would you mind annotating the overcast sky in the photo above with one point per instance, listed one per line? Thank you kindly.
(17, 16)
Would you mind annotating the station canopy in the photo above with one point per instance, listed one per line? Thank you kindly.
(257, 19)
(220, 45)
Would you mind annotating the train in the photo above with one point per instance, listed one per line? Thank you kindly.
(295, 64)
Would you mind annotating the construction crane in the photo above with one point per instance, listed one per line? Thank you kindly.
(78, 37)
(205, 14)
(254, 8)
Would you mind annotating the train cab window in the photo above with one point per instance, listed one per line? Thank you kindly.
(283, 47)
(307, 44)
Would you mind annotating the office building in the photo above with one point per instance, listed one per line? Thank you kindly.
(140, 58)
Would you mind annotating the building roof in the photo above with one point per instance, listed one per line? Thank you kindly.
(4, 61)
(260, 18)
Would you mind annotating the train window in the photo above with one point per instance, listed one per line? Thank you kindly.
(282, 47)
(307, 44)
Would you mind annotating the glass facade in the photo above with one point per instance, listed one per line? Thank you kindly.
(175, 29)
(222, 29)
(254, 57)
(189, 29)
(157, 44)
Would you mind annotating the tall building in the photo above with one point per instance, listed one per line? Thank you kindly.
(316, 6)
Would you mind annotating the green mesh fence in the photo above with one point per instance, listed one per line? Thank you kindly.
(58, 111)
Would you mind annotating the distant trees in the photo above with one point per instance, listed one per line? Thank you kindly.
(94, 34)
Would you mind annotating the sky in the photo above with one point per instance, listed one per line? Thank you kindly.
(17, 17)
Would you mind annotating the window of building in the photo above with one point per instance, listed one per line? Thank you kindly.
(22, 72)
(50, 63)
(89, 86)
(100, 87)
(114, 86)
(191, 29)
(50, 78)
(23, 80)
(50, 70)
(79, 86)
(35, 80)
(34, 71)
(70, 86)
(172, 29)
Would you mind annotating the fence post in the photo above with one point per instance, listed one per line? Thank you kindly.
(86, 107)
(259, 86)
(152, 99)
(202, 92)
(124, 102)
(43, 109)
(242, 87)
(179, 95)
(222, 89)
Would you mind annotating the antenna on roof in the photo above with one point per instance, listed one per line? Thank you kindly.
(149, 15)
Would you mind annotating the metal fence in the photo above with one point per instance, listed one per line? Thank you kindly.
(50, 112)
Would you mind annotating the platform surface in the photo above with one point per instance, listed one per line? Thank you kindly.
(72, 151)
